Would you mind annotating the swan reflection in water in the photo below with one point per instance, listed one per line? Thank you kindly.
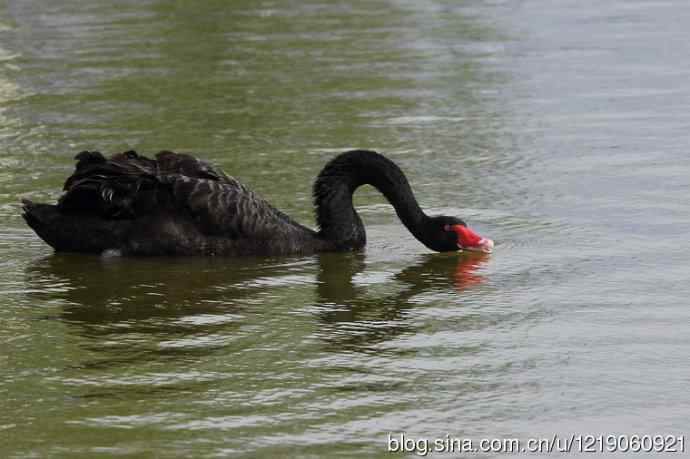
(185, 297)
(354, 319)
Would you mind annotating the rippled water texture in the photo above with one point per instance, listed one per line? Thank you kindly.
(560, 129)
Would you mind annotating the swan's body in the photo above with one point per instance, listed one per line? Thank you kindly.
(178, 205)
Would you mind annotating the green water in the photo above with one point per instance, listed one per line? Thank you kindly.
(559, 129)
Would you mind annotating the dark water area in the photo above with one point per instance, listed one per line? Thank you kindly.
(559, 129)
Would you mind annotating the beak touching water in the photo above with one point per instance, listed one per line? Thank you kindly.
(469, 240)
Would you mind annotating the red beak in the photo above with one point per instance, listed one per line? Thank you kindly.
(469, 240)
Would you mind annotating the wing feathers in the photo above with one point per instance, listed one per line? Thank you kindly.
(129, 186)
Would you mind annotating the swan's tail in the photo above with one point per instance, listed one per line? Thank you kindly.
(74, 232)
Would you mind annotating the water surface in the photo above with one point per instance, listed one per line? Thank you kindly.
(560, 129)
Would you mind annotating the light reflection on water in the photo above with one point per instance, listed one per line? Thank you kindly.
(556, 128)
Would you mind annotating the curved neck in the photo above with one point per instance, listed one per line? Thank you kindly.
(335, 213)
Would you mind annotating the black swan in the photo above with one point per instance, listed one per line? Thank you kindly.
(178, 205)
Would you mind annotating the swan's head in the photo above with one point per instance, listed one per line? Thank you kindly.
(451, 234)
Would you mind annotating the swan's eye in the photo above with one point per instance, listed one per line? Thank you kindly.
(446, 228)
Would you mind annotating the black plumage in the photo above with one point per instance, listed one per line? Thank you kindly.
(176, 204)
